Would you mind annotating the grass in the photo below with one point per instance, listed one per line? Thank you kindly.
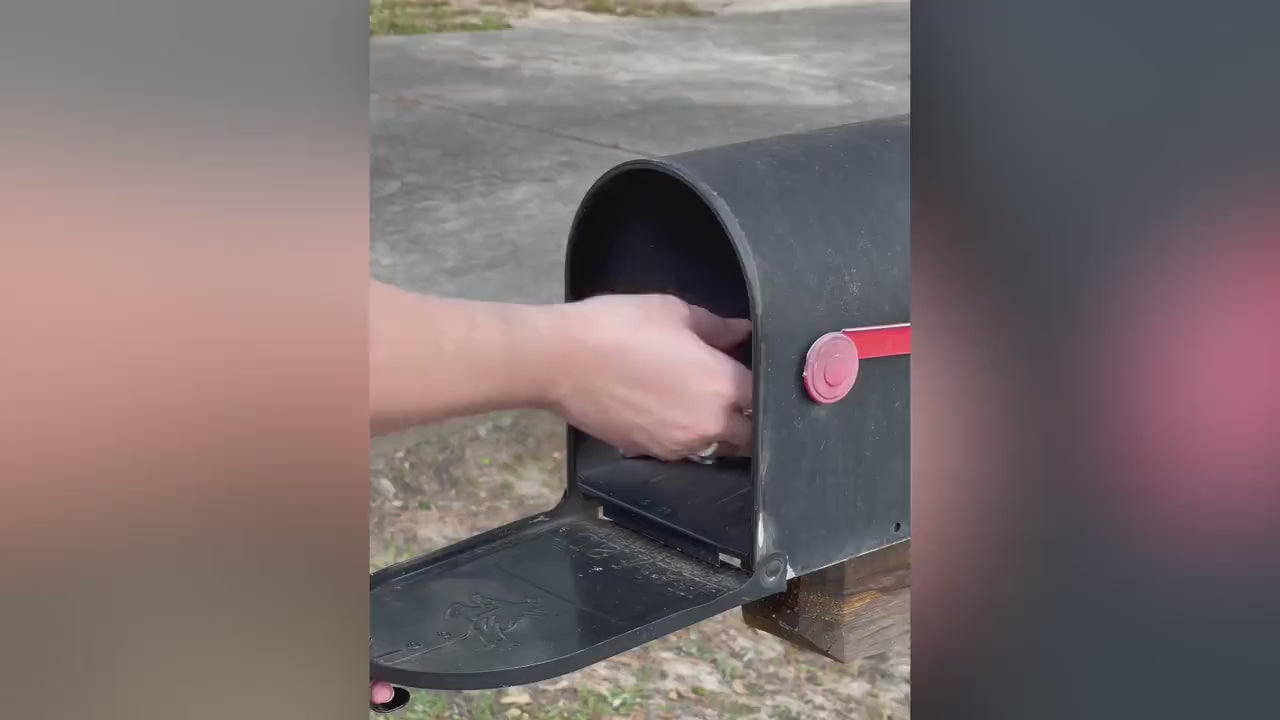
(643, 8)
(417, 17)
(426, 705)
(608, 704)
(485, 705)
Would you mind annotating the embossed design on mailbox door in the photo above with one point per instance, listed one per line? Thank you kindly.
(488, 619)
(491, 619)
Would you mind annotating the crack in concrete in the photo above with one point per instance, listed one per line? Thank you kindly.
(438, 104)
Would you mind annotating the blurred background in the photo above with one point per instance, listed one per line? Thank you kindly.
(186, 192)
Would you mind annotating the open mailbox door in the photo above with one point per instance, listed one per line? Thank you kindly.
(808, 235)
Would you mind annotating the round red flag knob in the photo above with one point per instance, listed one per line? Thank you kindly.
(830, 367)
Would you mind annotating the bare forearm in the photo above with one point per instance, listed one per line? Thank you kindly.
(432, 358)
(647, 374)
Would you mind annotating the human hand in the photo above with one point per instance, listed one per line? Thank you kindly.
(385, 698)
(649, 374)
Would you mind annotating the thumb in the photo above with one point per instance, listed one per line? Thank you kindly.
(720, 333)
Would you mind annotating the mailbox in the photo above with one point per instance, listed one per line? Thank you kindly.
(808, 236)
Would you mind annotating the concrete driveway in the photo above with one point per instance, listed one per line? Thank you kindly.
(483, 143)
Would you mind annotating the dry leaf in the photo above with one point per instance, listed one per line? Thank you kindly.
(516, 698)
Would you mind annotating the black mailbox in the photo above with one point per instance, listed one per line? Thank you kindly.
(808, 235)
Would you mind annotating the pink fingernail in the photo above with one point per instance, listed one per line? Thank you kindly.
(381, 693)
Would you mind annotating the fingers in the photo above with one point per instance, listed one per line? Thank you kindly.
(741, 386)
(381, 693)
(720, 333)
(736, 431)
(736, 439)
(737, 436)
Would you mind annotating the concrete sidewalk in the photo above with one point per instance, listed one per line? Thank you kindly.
(483, 143)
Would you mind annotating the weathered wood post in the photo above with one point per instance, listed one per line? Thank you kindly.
(848, 611)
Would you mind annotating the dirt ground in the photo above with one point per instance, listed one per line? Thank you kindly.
(461, 478)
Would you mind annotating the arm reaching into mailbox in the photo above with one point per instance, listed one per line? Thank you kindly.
(646, 373)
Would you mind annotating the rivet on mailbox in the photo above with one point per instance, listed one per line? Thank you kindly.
(804, 234)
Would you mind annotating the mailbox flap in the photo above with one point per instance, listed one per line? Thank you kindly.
(542, 597)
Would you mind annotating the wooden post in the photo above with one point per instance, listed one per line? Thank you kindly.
(857, 608)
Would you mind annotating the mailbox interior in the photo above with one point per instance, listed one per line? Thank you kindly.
(645, 230)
